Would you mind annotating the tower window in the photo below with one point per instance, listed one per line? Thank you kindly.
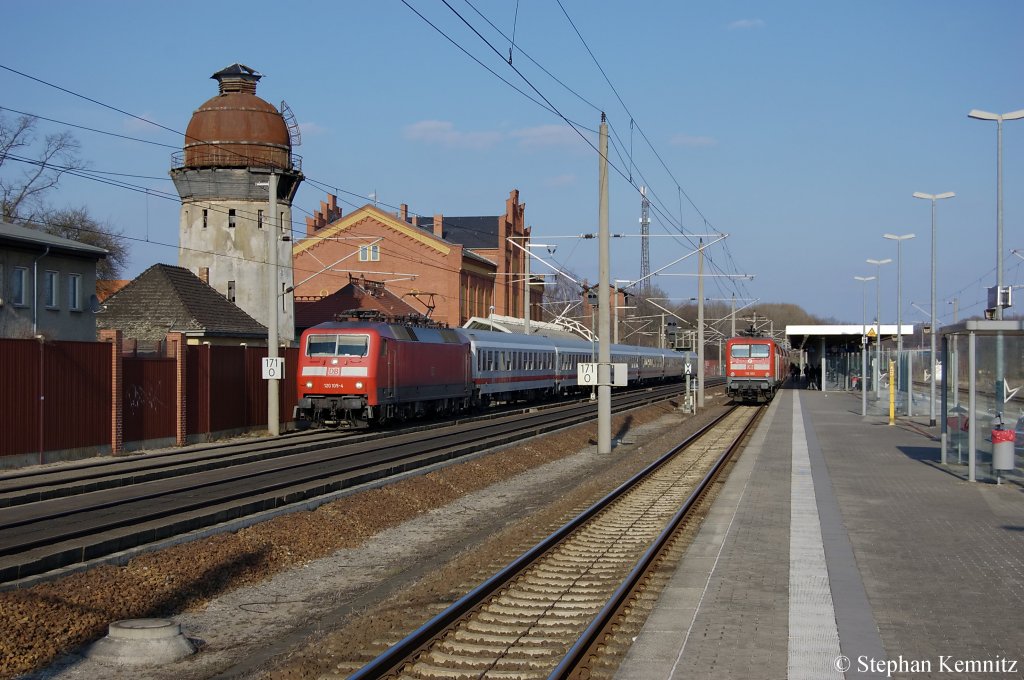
(259, 219)
(231, 218)
(205, 217)
(231, 291)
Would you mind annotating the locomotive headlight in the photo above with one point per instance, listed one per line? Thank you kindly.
(309, 384)
(334, 362)
(359, 385)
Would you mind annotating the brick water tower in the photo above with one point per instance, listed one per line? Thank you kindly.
(232, 145)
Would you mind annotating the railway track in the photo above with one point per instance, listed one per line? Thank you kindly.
(99, 510)
(548, 614)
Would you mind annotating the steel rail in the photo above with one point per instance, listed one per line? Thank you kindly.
(36, 485)
(570, 665)
(407, 648)
(40, 533)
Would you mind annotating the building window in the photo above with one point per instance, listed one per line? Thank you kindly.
(50, 282)
(231, 291)
(231, 218)
(369, 253)
(19, 284)
(75, 292)
(259, 219)
(206, 215)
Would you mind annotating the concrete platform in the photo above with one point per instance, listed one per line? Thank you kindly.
(840, 547)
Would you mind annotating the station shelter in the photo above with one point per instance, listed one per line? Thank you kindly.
(983, 398)
(829, 356)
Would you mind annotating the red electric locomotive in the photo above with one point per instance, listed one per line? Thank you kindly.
(756, 368)
(355, 374)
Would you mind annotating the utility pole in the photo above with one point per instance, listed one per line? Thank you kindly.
(526, 288)
(700, 324)
(273, 384)
(645, 246)
(732, 315)
(604, 388)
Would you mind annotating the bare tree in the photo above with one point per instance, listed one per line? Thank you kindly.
(77, 225)
(30, 167)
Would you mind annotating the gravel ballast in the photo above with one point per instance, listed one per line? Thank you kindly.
(290, 597)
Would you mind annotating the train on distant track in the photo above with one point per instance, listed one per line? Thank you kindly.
(756, 367)
(357, 374)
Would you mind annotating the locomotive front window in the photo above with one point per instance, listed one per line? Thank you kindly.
(740, 351)
(353, 345)
(321, 345)
(337, 345)
(759, 351)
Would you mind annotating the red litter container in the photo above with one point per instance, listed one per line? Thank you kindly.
(1003, 436)
(1002, 449)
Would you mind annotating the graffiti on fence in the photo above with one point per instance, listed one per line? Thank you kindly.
(144, 397)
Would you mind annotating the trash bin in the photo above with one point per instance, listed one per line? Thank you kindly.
(1002, 449)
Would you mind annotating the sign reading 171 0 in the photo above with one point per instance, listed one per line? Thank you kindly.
(273, 368)
(587, 375)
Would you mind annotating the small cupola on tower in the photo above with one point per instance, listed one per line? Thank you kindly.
(237, 78)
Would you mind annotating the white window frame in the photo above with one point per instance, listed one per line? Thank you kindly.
(369, 253)
(51, 289)
(75, 292)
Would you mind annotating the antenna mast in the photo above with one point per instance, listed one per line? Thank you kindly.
(645, 247)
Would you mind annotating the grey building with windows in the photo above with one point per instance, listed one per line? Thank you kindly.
(47, 285)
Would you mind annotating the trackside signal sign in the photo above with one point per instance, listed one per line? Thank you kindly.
(273, 368)
(587, 375)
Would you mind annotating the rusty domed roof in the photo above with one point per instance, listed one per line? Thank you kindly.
(236, 128)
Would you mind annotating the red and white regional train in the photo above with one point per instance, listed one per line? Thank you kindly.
(756, 368)
(361, 373)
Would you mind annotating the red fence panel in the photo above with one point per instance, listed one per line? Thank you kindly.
(197, 389)
(227, 388)
(21, 362)
(148, 402)
(57, 395)
(77, 395)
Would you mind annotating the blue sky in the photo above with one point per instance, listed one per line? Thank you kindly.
(800, 129)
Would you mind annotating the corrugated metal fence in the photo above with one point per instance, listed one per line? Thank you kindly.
(227, 391)
(56, 398)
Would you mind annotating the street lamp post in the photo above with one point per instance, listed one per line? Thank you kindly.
(998, 118)
(864, 344)
(931, 403)
(899, 286)
(878, 320)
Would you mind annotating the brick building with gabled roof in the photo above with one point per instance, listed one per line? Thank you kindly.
(167, 299)
(452, 268)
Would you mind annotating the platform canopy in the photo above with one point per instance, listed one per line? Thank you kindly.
(801, 335)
